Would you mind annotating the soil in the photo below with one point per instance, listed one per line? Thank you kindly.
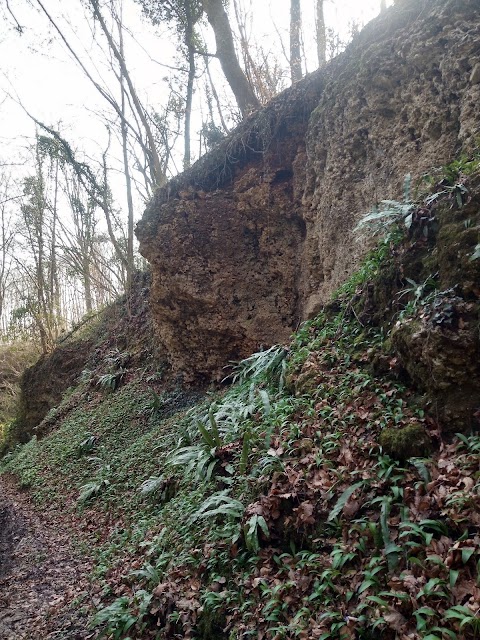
(40, 575)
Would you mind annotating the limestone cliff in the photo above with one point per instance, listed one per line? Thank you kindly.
(258, 233)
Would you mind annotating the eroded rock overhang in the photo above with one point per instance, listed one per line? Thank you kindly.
(259, 232)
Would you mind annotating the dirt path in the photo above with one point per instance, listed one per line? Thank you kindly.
(40, 575)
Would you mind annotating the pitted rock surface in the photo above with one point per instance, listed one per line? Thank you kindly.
(257, 234)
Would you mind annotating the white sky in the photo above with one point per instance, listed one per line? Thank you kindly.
(37, 67)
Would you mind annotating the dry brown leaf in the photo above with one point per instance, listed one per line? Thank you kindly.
(305, 513)
(395, 620)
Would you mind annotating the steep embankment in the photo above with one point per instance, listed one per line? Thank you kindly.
(320, 496)
(258, 233)
(101, 349)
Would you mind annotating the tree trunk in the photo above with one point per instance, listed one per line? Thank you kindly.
(104, 205)
(215, 96)
(56, 310)
(189, 41)
(295, 51)
(158, 175)
(126, 170)
(321, 35)
(87, 285)
(243, 92)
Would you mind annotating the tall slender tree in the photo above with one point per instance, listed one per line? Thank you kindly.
(6, 238)
(321, 34)
(158, 175)
(244, 94)
(295, 44)
(38, 230)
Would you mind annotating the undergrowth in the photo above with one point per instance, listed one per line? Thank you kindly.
(313, 498)
(272, 506)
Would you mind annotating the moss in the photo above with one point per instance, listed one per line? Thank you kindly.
(407, 442)
(7, 436)
(307, 382)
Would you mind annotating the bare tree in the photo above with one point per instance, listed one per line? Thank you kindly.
(38, 231)
(6, 238)
(158, 175)
(263, 70)
(126, 167)
(191, 18)
(139, 125)
(295, 48)
(245, 97)
(321, 33)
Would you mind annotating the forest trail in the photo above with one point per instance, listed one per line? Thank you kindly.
(40, 575)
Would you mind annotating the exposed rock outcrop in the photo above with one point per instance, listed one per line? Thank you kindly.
(438, 340)
(258, 233)
(224, 241)
(403, 101)
(43, 384)
(121, 335)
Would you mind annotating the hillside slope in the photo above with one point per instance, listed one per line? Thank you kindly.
(323, 494)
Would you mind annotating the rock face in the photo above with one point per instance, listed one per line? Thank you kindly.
(44, 384)
(224, 240)
(403, 102)
(259, 232)
(121, 335)
(438, 341)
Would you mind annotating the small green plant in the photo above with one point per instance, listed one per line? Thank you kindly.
(119, 617)
(465, 617)
(116, 619)
(342, 501)
(476, 253)
(110, 381)
(458, 190)
(371, 577)
(269, 363)
(471, 443)
(388, 212)
(340, 556)
(95, 487)
(251, 531)
(156, 404)
(152, 484)
(423, 617)
(434, 588)
(87, 445)
(148, 573)
(220, 504)
(417, 292)
(196, 459)
(423, 531)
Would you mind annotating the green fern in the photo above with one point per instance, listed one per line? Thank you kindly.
(220, 504)
(267, 364)
(380, 217)
(195, 459)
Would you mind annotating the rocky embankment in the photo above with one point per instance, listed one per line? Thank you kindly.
(258, 233)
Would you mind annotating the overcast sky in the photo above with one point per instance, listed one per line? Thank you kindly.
(38, 69)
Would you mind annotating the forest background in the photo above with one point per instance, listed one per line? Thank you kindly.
(101, 102)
